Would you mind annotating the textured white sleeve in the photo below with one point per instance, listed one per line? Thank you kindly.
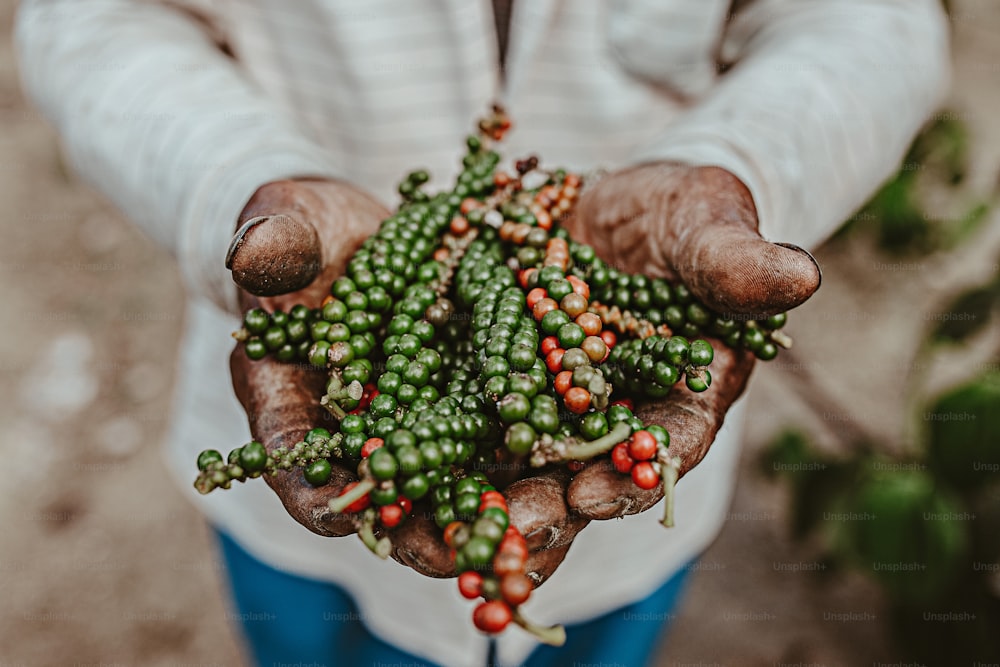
(819, 108)
(155, 116)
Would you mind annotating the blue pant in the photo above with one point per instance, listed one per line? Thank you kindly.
(287, 619)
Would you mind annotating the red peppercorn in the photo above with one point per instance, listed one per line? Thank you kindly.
(553, 360)
(515, 588)
(644, 475)
(579, 286)
(371, 444)
(391, 515)
(507, 562)
(535, 295)
(577, 400)
(470, 584)
(609, 338)
(549, 343)
(642, 446)
(563, 382)
(621, 459)
(492, 616)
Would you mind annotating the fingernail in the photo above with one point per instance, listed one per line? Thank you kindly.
(237, 241)
(819, 270)
(281, 256)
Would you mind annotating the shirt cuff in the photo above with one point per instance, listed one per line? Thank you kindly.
(210, 222)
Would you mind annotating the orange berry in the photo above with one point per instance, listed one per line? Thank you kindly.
(549, 343)
(577, 400)
(553, 360)
(542, 307)
(535, 295)
(563, 382)
(579, 286)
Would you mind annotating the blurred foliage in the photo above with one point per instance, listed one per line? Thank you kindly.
(925, 528)
(926, 525)
(938, 158)
(968, 313)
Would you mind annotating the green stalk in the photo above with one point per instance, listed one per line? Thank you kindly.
(340, 503)
(554, 635)
(582, 451)
(781, 339)
(669, 472)
(380, 548)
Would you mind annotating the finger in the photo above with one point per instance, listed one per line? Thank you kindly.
(542, 564)
(713, 244)
(692, 419)
(273, 254)
(417, 544)
(538, 509)
(276, 248)
(699, 226)
(278, 400)
(734, 270)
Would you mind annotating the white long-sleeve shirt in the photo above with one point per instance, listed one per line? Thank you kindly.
(817, 108)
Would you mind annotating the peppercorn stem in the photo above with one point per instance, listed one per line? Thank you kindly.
(582, 451)
(669, 472)
(553, 635)
(333, 407)
(782, 339)
(340, 503)
(379, 547)
(242, 335)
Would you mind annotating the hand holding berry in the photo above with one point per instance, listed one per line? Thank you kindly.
(294, 239)
(697, 225)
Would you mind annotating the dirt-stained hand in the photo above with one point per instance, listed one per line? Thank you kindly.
(697, 225)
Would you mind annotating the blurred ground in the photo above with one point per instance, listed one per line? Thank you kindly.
(102, 562)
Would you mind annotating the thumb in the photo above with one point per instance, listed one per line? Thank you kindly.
(733, 270)
(275, 250)
(715, 248)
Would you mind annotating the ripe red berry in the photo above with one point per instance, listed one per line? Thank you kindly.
(515, 588)
(580, 287)
(553, 360)
(508, 561)
(642, 446)
(492, 616)
(609, 337)
(563, 382)
(644, 475)
(405, 503)
(470, 584)
(621, 459)
(549, 343)
(371, 444)
(391, 515)
(534, 296)
(577, 400)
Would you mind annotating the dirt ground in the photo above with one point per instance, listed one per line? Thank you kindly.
(103, 563)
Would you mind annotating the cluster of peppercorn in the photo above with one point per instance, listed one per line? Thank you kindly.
(471, 329)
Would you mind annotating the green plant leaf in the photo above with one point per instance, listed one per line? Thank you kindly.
(964, 433)
(966, 315)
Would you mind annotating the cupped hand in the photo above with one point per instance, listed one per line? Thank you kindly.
(697, 225)
(294, 239)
